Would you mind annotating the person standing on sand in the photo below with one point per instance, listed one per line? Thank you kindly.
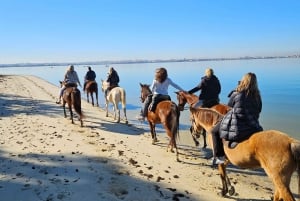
(71, 79)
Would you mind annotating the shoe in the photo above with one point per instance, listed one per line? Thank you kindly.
(218, 160)
(58, 102)
(140, 118)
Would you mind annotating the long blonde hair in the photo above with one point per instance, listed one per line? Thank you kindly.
(249, 84)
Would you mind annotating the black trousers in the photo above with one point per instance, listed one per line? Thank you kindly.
(217, 141)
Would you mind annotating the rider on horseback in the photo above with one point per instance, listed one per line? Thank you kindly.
(242, 120)
(210, 89)
(70, 79)
(159, 90)
(112, 79)
(89, 76)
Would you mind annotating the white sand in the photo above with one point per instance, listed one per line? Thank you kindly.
(45, 157)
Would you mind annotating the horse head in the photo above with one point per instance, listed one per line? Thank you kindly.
(181, 100)
(62, 83)
(145, 91)
(104, 85)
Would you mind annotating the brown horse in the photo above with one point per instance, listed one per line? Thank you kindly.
(167, 114)
(72, 97)
(274, 151)
(91, 88)
(185, 97)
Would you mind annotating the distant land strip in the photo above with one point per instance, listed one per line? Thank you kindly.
(144, 61)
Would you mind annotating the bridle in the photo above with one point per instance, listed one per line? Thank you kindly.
(145, 92)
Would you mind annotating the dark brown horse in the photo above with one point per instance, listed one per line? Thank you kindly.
(91, 88)
(274, 151)
(167, 114)
(72, 97)
(185, 97)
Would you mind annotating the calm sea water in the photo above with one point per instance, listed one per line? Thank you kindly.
(278, 79)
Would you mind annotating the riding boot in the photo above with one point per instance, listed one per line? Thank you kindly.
(146, 105)
(218, 149)
(58, 101)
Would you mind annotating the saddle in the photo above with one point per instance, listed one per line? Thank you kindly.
(157, 100)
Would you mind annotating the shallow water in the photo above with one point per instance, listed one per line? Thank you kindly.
(278, 79)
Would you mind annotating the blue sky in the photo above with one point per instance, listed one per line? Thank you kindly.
(84, 30)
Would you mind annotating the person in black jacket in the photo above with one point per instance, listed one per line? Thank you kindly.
(242, 120)
(210, 89)
(113, 79)
(89, 76)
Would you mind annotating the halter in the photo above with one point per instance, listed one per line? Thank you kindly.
(144, 94)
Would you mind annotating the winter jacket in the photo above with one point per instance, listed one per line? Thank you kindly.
(210, 88)
(242, 120)
(113, 79)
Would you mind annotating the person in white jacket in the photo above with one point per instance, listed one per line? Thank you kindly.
(71, 79)
(159, 90)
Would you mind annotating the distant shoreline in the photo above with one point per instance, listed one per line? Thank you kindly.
(144, 61)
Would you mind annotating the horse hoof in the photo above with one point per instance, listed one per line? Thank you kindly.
(231, 191)
(126, 122)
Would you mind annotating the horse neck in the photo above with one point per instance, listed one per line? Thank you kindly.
(191, 99)
(147, 92)
(205, 117)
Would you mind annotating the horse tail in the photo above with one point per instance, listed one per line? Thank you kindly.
(175, 114)
(76, 101)
(295, 148)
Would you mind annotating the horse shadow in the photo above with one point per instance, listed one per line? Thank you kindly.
(15, 105)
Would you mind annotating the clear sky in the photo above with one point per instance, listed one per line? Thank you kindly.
(85, 30)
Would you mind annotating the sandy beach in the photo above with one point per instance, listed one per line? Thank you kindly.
(45, 157)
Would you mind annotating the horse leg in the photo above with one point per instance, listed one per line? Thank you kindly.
(119, 115)
(194, 137)
(87, 97)
(92, 98)
(204, 138)
(71, 113)
(282, 190)
(97, 98)
(125, 116)
(106, 108)
(226, 185)
(64, 106)
(153, 132)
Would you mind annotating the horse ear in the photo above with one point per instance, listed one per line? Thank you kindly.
(176, 92)
(141, 84)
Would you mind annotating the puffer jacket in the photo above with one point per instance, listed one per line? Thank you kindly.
(242, 120)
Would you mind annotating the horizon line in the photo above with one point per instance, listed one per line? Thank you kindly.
(129, 61)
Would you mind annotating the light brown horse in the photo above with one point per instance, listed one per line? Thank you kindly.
(72, 97)
(92, 88)
(115, 96)
(274, 151)
(167, 114)
(185, 97)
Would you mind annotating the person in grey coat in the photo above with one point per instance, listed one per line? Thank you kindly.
(242, 120)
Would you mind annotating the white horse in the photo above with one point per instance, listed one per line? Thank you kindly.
(114, 96)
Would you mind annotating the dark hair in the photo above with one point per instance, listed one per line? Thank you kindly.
(161, 74)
